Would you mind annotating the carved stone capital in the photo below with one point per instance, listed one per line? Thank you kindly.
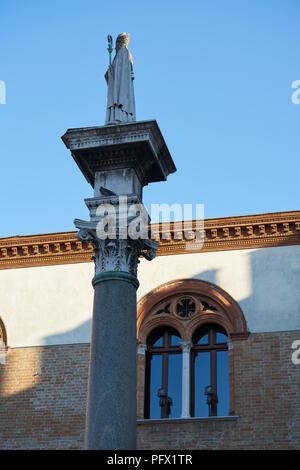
(141, 349)
(186, 346)
(115, 255)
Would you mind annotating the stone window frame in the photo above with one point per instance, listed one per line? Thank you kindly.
(3, 343)
(3, 335)
(228, 314)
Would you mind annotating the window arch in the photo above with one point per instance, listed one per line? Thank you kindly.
(3, 337)
(163, 374)
(193, 308)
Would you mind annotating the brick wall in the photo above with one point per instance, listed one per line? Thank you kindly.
(43, 395)
(267, 401)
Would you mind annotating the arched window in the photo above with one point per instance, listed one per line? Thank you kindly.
(186, 335)
(163, 374)
(3, 342)
(209, 372)
(3, 338)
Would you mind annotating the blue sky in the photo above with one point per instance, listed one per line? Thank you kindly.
(215, 74)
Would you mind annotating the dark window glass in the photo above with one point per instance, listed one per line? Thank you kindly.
(175, 340)
(185, 307)
(223, 383)
(210, 369)
(221, 337)
(155, 384)
(201, 335)
(174, 383)
(155, 338)
(163, 371)
(158, 342)
(202, 379)
(203, 340)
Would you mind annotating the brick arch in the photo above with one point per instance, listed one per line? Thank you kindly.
(229, 314)
(3, 336)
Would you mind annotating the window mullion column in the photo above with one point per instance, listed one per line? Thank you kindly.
(185, 399)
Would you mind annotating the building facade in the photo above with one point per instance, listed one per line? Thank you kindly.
(221, 319)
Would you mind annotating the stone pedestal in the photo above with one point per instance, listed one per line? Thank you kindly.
(118, 161)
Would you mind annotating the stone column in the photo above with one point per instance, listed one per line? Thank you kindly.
(111, 402)
(111, 410)
(185, 408)
(118, 161)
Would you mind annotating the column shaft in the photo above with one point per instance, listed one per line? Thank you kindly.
(185, 409)
(111, 406)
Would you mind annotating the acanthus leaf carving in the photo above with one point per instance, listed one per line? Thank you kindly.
(115, 254)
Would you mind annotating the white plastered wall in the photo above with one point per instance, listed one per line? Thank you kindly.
(53, 304)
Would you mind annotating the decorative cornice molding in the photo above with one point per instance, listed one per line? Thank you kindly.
(235, 233)
(43, 250)
(230, 233)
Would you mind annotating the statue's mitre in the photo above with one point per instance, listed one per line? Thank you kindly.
(122, 40)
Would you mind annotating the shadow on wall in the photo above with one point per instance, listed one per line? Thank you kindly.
(80, 334)
(43, 389)
(274, 281)
(210, 276)
(274, 304)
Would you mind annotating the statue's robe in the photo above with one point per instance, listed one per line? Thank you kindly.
(120, 92)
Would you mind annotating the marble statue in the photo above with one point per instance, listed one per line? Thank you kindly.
(119, 78)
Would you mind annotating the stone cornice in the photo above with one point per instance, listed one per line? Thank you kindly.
(228, 233)
(139, 145)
